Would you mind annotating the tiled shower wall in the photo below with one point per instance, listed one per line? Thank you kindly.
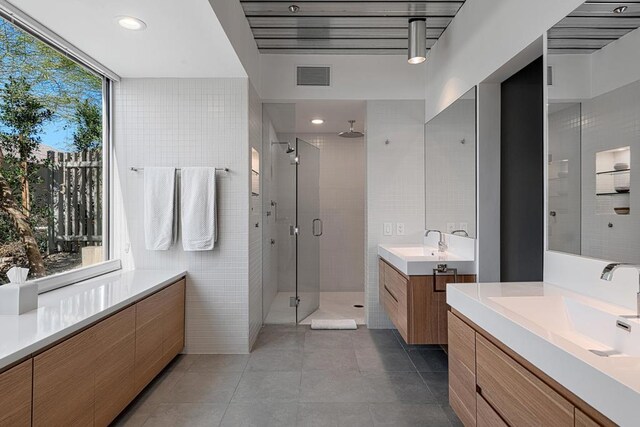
(255, 222)
(395, 186)
(189, 122)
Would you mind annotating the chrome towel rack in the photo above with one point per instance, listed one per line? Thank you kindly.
(178, 169)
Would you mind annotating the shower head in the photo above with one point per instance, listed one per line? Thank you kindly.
(351, 133)
(289, 148)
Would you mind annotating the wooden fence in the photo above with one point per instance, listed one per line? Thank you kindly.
(75, 183)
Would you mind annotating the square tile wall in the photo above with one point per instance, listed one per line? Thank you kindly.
(189, 122)
(395, 186)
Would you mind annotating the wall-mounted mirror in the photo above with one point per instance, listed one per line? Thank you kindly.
(594, 133)
(450, 168)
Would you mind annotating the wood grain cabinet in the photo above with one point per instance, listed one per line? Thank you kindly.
(491, 386)
(89, 378)
(417, 305)
(15, 399)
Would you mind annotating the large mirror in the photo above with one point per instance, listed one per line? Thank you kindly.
(594, 133)
(450, 168)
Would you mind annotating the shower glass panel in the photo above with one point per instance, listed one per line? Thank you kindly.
(309, 229)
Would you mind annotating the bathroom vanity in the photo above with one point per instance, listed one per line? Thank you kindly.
(90, 348)
(417, 304)
(536, 354)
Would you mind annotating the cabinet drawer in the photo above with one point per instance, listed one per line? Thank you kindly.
(462, 370)
(15, 400)
(395, 282)
(516, 394)
(487, 417)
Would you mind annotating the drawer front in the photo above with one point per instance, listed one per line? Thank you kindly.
(516, 394)
(395, 282)
(487, 417)
(583, 420)
(462, 370)
(15, 400)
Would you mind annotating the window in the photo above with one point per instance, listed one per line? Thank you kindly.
(51, 158)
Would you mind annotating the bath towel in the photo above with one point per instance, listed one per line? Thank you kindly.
(198, 208)
(159, 208)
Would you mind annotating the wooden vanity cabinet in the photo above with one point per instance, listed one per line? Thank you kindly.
(417, 305)
(489, 385)
(89, 378)
(15, 400)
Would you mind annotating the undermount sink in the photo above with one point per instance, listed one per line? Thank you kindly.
(599, 331)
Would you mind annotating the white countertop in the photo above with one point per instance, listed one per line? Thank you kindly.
(421, 260)
(610, 385)
(66, 310)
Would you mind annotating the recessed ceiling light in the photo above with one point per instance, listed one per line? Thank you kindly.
(620, 9)
(317, 121)
(294, 8)
(131, 23)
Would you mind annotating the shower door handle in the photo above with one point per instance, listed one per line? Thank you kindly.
(319, 222)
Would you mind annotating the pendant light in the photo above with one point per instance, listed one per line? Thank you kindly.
(417, 40)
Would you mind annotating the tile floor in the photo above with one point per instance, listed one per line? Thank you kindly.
(299, 377)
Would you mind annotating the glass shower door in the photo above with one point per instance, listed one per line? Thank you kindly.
(309, 228)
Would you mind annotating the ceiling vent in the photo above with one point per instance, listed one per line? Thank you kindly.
(313, 76)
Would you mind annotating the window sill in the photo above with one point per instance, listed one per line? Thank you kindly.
(67, 278)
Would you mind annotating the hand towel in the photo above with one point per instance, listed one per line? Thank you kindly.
(159, 208)
(198, 208)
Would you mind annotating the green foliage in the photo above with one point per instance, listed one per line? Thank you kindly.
(88, 121)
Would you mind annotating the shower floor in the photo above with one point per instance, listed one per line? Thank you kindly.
(333, 305)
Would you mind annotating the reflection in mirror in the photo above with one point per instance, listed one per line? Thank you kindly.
(450, 168)
(594, 134)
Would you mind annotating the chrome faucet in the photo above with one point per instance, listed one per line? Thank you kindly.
(442, 245)
(609, 271)
(463, 233)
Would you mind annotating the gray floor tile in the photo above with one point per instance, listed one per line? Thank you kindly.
(186, 414)
(407, 387)
(322, 340)
(409, 415)
(158, 390)
(438, 383)
(275, 360)
(384, 360)
(279, 341)
(182, 362)
(376, 338)
(430, 360)
(451, 415)
(334, 415)
(201, 387)
(268, 387)
(219, 363)
(337, 359)
(260, 415)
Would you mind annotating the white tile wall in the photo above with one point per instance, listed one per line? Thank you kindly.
(451, 168)
(342, 207)
(189, 122)
(255, 217)
(269, 230)
(611, 121)
(395, 185)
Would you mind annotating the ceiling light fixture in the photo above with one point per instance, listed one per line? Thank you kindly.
(317, 121)
(294, 8)
(131, 23)
(620, 9)
(417, 41)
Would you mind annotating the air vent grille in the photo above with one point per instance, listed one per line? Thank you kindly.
(549, 75)
(314, 76)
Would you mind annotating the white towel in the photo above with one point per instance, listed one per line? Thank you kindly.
(198, 208)
(159, 208)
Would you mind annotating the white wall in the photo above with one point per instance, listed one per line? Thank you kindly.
(342, 207)
(269, 251)
(255, 218)
(352, 77)
(484, 36)
(395, 186)
(189, 122)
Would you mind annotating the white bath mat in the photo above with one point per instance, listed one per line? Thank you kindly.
(333, 324)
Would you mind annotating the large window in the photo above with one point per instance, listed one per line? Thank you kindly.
(51, 158)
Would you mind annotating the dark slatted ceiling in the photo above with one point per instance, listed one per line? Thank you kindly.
(592, 26)
(344, 27)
